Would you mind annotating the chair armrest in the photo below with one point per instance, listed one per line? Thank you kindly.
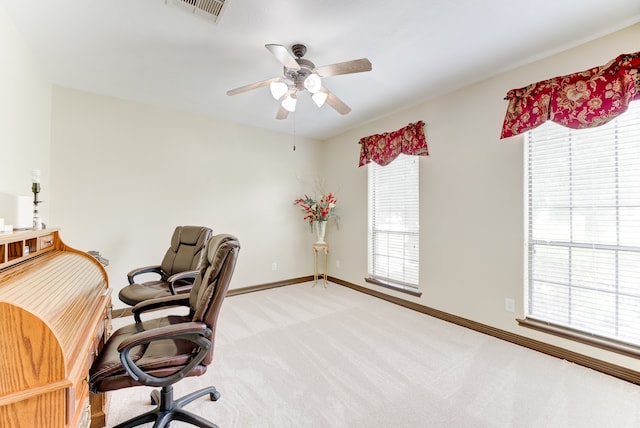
(157, 303)
(145, 269)
(181, 276)
(195, 332)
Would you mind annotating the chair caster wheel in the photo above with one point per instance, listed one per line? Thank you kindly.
(214, 396)
(155, 397)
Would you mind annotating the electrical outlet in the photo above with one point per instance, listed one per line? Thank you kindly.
(509, 305)
(274, 266)
(338, 264)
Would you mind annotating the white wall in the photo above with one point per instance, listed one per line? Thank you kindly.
(125, 174)
(25, 116)
(471, 196)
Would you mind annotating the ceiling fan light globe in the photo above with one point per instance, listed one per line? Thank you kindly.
(278, 89)
(319, 98)
(312, 83)
(289, 103)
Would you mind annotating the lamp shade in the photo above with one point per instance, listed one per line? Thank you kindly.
(312, 83)
(289, 103)
(319, 98)
(278, 89)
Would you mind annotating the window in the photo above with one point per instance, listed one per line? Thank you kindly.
(584, 228)
(393, 222)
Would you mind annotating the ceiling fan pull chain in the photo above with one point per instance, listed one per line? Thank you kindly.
(294, 131)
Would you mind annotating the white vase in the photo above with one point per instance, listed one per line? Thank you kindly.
(321, 228)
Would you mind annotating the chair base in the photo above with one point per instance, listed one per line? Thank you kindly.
(167, 409)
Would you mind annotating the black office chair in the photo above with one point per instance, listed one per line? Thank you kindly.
(177, 271)
(162, 351)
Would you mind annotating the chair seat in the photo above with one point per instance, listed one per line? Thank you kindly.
(135, 293)
(160, 358)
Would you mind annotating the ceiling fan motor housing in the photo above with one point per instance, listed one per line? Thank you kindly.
(298, 76)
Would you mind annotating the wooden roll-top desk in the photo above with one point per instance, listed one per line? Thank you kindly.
(55, 313)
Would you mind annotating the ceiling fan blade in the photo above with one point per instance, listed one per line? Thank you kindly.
(348, 67)
(335, 102)
(284, 56)
(283, 113)
(251, 86)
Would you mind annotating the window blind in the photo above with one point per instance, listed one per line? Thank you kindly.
(584, 227)
(394, 221)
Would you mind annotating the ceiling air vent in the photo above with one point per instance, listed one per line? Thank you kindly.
(210, 9)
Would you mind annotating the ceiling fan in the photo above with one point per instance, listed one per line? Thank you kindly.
(299, 75)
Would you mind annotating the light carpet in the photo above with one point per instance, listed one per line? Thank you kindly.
(302, 356)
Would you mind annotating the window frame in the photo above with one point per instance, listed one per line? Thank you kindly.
(593, 337)
(410, 212)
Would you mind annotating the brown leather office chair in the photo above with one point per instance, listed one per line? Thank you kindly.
(177, 271)
(161, 351)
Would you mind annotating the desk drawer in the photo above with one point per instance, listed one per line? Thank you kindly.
(45, 241)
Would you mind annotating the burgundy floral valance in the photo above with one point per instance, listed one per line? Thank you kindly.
(383, 148)
(580, 100)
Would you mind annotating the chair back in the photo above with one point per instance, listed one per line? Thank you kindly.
(211, 284)
(187, 250)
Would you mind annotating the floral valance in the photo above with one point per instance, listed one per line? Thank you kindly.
(580, 100)
(383, 148)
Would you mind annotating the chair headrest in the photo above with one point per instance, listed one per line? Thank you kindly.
(188, 235)
(214, 256)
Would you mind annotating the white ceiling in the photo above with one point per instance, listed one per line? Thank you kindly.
(148, 51)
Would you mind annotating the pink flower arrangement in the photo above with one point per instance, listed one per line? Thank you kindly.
(321, 210)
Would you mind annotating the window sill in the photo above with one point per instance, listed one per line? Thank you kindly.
(394, 286)
(588, 339)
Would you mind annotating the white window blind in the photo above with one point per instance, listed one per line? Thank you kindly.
(584, 227)
(393, 221)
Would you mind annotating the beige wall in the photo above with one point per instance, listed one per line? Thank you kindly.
(471, 196)
(125, 174)
(25, 115)
(118, 176)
